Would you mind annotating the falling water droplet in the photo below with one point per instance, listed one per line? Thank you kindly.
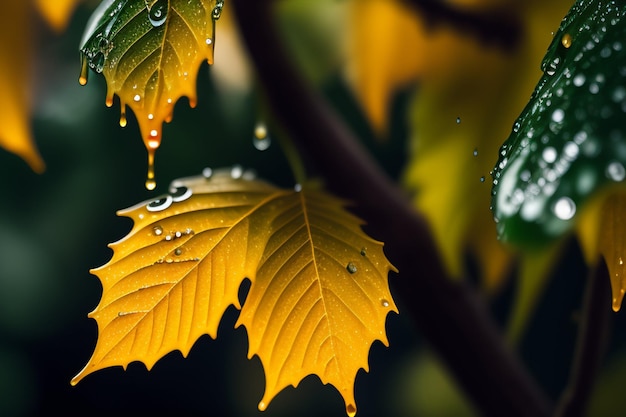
(351, 268)
(150, 181)
(157, 14)
(123, 120)
(566, 40)
(261, 140)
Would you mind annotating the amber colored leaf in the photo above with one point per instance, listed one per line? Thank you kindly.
(57, 12)
(150, 53)
(15, 67)
(319, 295)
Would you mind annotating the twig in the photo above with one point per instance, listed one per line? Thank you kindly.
(497, 26)
(449, 314)
(591, 344)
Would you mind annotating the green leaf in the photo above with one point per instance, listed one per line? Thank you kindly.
(569, 140)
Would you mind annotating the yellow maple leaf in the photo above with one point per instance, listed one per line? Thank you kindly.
(150, 53)
(15, 83)
(319, 295)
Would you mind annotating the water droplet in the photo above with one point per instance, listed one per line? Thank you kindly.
(549, 154)
(180, 194)
(363, 252)
(150, 181)
(351, 268)
(236, 172)
(209, 41)
(566, 40)
(217, 10)
(178, 251)
(475, 153)
(594, 88)
(137, 98)
(157, 230)
(384, 303)
(207, 173)
(565, 208)
(482, 179)
(616, 171)
(558, 115)
(157, 14)
(261, 140)
(262, 406)
(579, 80)
(351, 410)
(552, 66)
(159, 204)
(458, 120)
(297, 188)
(516, 127)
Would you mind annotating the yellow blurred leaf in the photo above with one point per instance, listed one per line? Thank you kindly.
(150, 53)
(319, 295)
(15, 83)
(57, 12)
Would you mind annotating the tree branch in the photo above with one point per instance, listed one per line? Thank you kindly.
(591, 344)
(448, 314)
(492, 26)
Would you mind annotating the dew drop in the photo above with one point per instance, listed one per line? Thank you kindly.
(482, 179)
(475, 153)
(566, 40)
(207, 173)
(384, 303)
(236, 172)
(217, 10)
(351, 268)
(616, 171)
(209, 41)
(516, 127)
(157, 14)
(579, 80)
(159, 204)
(181, 193)
(565, 208)
(549, 154)
(351, 410)
(458, 120)
(137, 98)
(261, 140)
(363, 252)
(178, 251)
(558, 115)
(157, 230)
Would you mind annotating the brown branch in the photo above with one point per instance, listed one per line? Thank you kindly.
(492, 26)
(591, 344)
(448, 314)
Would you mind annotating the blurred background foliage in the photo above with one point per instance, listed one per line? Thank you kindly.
(54, 228)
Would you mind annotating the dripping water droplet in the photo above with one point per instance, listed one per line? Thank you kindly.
(351, 268)
(351, 410)
(84, 70)
(150, 181)
(123, 120)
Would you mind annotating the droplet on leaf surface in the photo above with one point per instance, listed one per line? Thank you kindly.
(157, 14)
(351, 268)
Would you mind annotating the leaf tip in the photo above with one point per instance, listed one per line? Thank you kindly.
(351, 410)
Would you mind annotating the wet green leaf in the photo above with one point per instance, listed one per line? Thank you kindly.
(569, 140)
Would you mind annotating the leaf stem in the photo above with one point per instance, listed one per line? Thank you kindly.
(448, 313)
(591, 345)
